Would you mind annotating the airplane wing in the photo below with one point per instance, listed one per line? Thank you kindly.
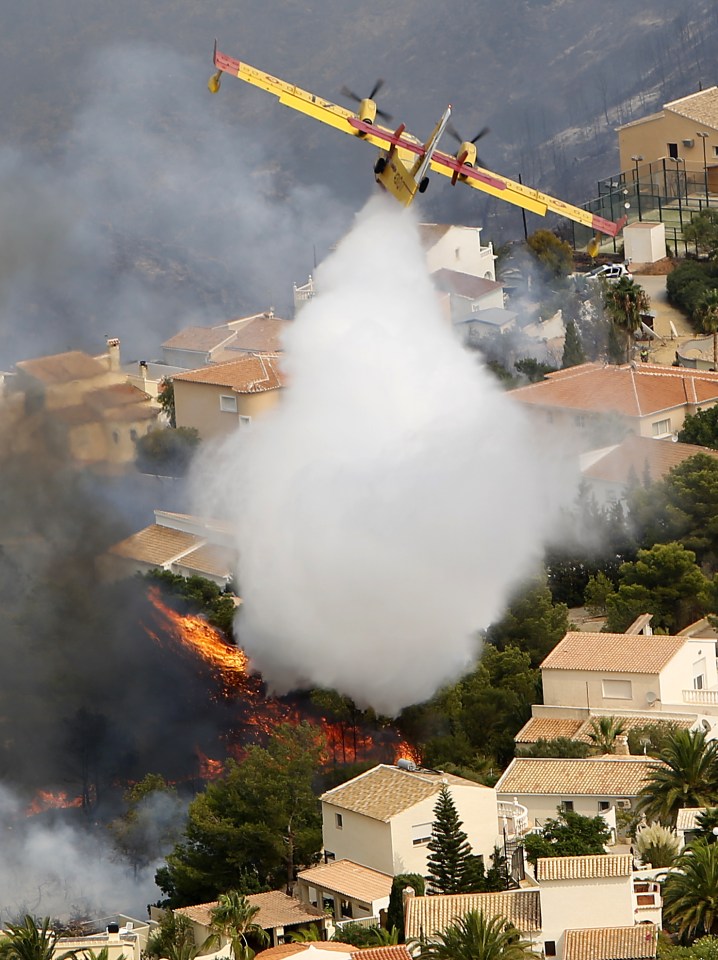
(346, 121)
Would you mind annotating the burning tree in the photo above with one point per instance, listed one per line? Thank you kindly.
(250, 829)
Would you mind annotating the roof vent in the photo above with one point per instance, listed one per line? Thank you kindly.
(404, 764)
(688, 142)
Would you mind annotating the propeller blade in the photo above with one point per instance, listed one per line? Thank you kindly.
(453, 132)
(480, 134)
(346, 92)
(384, 115)
(377, 87)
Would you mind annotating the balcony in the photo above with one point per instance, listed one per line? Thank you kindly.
(705, 697)
(513, 818)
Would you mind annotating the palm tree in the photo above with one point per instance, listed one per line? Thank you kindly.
(690, 893)
(30, 941)
(603, 733)
(689, 777)
(233, 918)
(308, 934)
(174, 939)
(708, 822)
(707, 316)
(475, 937)
(625, 301)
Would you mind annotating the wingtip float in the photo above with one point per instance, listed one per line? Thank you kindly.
(404, 161)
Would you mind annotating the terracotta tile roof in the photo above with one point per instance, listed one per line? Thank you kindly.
(276, 909)
(199, 339)
(431, 233)
(349, 879)
(428, 916)
(550, 728)
(634, 392)
(384, 791)
(397, 952)
(687, 818)
(463, 284)
(311, 950)
(260, 334)
(63, 367)
(547, 728)
(251, 373)
(637, 456)
(639, 942)
(212, 560)
(155, 544)
(701, 107)
(584, 868)
(613, 652)
(613, 776)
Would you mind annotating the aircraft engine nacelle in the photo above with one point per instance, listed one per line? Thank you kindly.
(367, 110)
(470, 150)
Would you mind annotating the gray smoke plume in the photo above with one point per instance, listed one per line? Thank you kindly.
(386, 509)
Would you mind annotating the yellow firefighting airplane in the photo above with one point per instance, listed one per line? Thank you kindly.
(404, 161)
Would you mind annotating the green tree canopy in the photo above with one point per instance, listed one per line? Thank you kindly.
(168, 451)
(152, 823)
(701, 428)
(449, 849)
(248, 830)
(395, 911)
(603, 732)
(166, 398)
(532, 622)
(688, 778)
(568, 835)
(553, 256)
(703, 232)
(664, 581)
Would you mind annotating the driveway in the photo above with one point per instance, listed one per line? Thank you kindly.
(663, 350)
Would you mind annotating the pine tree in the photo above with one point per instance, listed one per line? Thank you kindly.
(573, 352)
(450, 851)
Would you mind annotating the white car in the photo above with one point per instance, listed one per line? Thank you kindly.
(610, 271)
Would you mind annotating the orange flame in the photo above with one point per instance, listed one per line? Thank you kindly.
(209, 769)
(47, 800)
(408, 752)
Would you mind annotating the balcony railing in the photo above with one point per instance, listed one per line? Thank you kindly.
(701, 696)
(359, 922)
(514, 816)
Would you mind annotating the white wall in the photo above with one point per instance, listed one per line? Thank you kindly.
(361, 839)
(579, 904)
(678, 675)
(459, 248)
(585, 688)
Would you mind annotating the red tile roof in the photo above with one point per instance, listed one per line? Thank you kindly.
(463, 284)
(637, 391)
(252, 373)
(63, 367)
(638, 456)
(614, 652)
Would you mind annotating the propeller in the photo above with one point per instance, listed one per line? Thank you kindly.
(346, 92)
(453, 132)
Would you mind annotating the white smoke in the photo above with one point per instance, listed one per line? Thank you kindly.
(49, 867)
(386, 509)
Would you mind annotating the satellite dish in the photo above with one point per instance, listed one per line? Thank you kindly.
(651, 698)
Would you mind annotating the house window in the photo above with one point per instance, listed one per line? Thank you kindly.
(329, 856)
(549, 948)
(673, 151)
(580, 421)
(617, 690)
(245, 421)
(227, 404)
(604, 805)
(567, 806)
(661, 428)
(699, 674)
(715, 151)
(421, 833)
(133, 434)
(338, 819)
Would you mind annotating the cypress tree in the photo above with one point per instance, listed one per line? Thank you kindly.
(450, 852)
(573, 353)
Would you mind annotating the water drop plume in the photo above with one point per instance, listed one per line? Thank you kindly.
(388, 506)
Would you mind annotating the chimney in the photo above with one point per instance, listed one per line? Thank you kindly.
(143, 369)
(406, 894)
(113, 352)
(621, 746)
(113, 929)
